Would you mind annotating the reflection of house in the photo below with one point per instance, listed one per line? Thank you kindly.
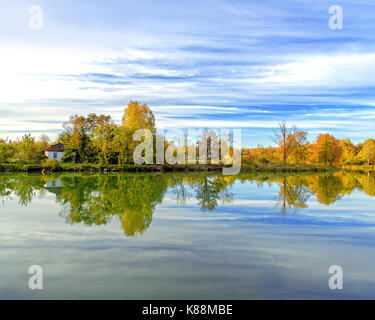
(54, 186)
(55, 152)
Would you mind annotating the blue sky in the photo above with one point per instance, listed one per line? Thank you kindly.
(219, 64)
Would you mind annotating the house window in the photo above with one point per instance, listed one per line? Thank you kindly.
(55, 155)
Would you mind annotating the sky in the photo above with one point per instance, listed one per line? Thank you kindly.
(197, 64)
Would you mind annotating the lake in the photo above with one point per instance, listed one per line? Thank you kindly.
(187, 235)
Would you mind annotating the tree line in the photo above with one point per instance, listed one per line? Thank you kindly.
(24, 149)
(92, 138)
(294, 147)
(98, 139)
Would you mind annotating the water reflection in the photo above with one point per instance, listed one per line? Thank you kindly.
(294, 193)
(132, 198)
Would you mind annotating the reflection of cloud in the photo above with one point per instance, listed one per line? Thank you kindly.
(203, 258)
(243, 249)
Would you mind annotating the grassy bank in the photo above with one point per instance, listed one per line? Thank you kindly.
(92, 167)
(362, 168)
(285, 167)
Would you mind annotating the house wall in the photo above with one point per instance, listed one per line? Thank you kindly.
(50, 156)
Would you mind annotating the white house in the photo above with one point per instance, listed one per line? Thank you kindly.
(55, 152)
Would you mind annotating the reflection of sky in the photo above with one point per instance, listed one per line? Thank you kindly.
(244, 249)
(216, 63)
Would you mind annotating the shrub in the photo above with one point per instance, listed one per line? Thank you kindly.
(50, 164)
(264, 160)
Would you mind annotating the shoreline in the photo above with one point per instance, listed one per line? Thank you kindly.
(91, 167)
(362, 168)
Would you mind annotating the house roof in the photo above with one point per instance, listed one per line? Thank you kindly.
(59, 147)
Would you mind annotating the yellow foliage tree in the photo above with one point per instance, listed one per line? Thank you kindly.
(138, 116)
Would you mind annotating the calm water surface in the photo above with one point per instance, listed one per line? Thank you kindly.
(188, 236)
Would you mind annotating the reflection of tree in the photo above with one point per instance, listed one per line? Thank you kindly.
(367, 183)
(23, 186)
(5, 188)
(293, 194)
(209, 190)
(139, 195)
(95, 199)
(181, 189)
(328, 188)
(348, 180)
(83, 200)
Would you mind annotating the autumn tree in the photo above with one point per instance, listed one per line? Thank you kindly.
(285, 138)
(138, 116)
(327, 150)
(300, 151)
(348, 151)
(369, 151)
(259, 153)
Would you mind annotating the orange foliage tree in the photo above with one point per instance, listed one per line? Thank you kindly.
(327, 149)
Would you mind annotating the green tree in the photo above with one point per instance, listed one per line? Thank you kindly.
(69, 151)
(26, 148)
(7, 150)
(75, 137)
(40, 146)
(122, 145)
(78, 137)
(103, 135)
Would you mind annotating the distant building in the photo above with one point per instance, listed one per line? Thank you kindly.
(55, 152)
